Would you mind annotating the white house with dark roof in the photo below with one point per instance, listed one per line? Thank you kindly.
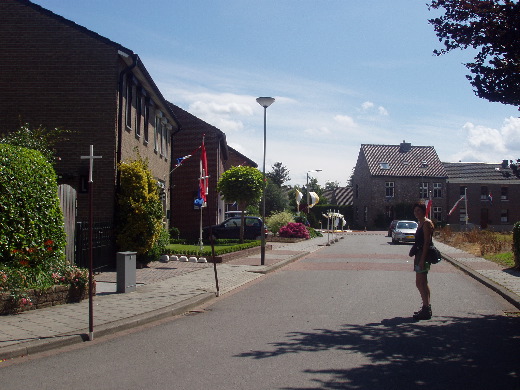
(388, 179)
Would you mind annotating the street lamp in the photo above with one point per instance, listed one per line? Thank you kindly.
(264, 102)
(313, 170)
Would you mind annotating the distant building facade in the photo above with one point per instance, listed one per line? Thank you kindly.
(492, 194)
(388, 179)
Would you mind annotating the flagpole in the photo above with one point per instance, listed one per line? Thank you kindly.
(466, 203)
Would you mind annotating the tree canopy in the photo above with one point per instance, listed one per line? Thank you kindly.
(243, 185)
(279, 174)
(493, 28)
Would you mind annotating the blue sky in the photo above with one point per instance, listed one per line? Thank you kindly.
(343, 73)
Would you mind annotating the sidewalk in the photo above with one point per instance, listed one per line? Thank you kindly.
(173, 288)
(505, 282)
(163, 290)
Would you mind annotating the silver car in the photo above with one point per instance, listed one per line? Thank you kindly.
(404, 232)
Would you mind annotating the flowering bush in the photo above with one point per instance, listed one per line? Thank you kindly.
(278, 220)
(294, 230)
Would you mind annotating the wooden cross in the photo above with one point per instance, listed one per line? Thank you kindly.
(91, 157)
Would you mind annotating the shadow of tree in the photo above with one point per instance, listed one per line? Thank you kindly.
(480, 352)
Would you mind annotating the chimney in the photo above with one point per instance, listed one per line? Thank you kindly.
(405, 147)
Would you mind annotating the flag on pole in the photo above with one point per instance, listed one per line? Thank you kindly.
(428, 207)
(490, 199)
(314, 199)
(299, 197)
(203, 180)
(456, 204)
(180, 160)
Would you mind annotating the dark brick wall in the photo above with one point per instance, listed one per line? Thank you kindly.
(185, 178)
(57, 74)
(53, 75)
(478, 208)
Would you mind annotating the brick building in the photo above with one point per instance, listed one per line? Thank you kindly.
(492, 194)
(56, 73)
(388, 179)
(185, 179)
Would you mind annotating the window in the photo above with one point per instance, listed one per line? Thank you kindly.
(384, 165)
(462, 191)
(504, 193)
(423, 190)
(146, 119)
(504, 215)
(129, 101)
(365, 214)
(138, 115)
(161, 132)
(389, 189)
(437, 190)
(437, 214)
(167, 135)
(484, 193)
(157, 130)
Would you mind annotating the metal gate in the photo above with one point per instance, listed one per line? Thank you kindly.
(68, 196)
(103, 239)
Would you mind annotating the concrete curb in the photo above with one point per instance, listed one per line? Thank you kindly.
(280, 264)
(502, 291)
(43, 345)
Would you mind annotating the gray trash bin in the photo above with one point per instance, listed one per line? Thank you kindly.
(126, 272)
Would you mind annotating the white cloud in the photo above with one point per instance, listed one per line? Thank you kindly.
(370, 108)
(490, 145)
(367, 106)
(345, 121)
(382, 111)
(318, 131)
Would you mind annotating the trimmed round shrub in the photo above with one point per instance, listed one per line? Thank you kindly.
(294, 230)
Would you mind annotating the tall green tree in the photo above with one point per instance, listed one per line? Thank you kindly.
(243, 185)
(492, 28)
(276, 199)
(279, 174)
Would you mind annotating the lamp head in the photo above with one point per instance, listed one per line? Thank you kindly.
(265, 101)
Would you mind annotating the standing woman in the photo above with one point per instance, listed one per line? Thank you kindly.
(423, 239)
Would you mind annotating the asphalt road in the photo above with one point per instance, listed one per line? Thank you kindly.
(337, 319)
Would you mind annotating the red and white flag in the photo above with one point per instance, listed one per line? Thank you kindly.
(203, 180)
(456, 204)
(428, 207)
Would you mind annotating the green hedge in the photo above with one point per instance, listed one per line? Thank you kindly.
(221, 248)
(31, 221)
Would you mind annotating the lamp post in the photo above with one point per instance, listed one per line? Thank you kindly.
(313, 170)
(264, 102)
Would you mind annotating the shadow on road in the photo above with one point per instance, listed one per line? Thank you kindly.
(481, 352)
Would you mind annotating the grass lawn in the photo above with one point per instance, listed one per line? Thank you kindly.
(492, 246)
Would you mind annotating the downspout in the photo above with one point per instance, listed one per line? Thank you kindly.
(122, 75)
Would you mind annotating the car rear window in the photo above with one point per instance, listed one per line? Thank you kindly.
(406, 225)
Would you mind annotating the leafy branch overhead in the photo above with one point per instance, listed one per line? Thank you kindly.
(492, 28)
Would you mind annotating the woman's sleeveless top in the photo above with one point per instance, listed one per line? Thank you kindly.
(419, 237)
